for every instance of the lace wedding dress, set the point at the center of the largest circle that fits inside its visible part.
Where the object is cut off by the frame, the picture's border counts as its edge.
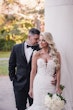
(42, 83)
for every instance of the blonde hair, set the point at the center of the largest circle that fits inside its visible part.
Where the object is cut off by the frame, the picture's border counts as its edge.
(53, 51)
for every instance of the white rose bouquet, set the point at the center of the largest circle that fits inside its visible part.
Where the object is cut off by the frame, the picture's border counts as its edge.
(54, 101)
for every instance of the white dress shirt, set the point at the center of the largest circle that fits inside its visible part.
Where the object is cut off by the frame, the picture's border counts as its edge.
(28, 52)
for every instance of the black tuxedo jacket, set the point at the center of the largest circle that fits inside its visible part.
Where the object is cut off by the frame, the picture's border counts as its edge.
(19, 68)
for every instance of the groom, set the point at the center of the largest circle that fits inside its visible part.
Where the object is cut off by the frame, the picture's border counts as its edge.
(20, 67)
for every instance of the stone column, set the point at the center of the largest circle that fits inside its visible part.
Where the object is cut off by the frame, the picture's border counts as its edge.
(59, 21)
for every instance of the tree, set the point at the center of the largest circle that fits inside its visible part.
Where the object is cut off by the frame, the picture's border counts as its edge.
(18, 18)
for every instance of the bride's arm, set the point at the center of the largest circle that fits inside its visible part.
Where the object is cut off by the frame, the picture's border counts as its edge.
(33, 73)
(58, 90)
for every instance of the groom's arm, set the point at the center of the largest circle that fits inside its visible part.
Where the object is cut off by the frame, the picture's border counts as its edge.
(12, 64)
(54, 81)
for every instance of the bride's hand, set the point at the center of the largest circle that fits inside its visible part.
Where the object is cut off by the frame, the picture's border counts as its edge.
(58, 91)
(31, 93)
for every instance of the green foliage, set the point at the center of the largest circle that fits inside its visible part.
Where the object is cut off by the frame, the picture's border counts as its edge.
(14, 24)
(4, 67)
(61, 97)
(5, 54)
(50, 94)
(62, 87)
(15, 29)
(6, 45)
(2, 42)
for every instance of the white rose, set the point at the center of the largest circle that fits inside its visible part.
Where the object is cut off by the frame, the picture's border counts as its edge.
(48, 100)
(55, 97)
(54, 107)
(61, 104)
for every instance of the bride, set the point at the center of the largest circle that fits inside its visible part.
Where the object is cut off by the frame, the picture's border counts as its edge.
(45, 63)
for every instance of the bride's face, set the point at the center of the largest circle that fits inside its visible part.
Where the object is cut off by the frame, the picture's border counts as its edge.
(42, 43)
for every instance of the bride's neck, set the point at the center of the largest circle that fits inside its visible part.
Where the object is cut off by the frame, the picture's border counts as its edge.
(45, 50)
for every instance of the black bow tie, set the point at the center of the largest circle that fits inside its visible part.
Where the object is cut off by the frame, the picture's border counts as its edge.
(30, 46)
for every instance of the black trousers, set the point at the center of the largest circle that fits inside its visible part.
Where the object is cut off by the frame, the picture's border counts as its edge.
(21, 99)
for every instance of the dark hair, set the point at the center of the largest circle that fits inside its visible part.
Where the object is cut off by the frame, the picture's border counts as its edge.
(34, 31)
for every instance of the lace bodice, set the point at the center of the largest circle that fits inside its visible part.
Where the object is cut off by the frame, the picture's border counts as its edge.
(45, 68)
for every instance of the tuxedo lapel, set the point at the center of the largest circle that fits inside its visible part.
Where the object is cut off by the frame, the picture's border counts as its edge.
(23, 52)
(31, 57)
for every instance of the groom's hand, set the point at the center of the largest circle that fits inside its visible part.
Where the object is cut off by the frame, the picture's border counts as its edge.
(54, 81)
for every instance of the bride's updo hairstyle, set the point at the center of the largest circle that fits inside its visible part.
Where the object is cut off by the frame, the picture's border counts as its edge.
(52, 50)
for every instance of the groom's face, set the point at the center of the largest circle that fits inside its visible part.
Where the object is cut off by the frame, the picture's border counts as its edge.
(34, 39)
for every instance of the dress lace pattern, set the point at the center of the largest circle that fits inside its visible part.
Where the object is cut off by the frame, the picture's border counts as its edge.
(42, 83)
